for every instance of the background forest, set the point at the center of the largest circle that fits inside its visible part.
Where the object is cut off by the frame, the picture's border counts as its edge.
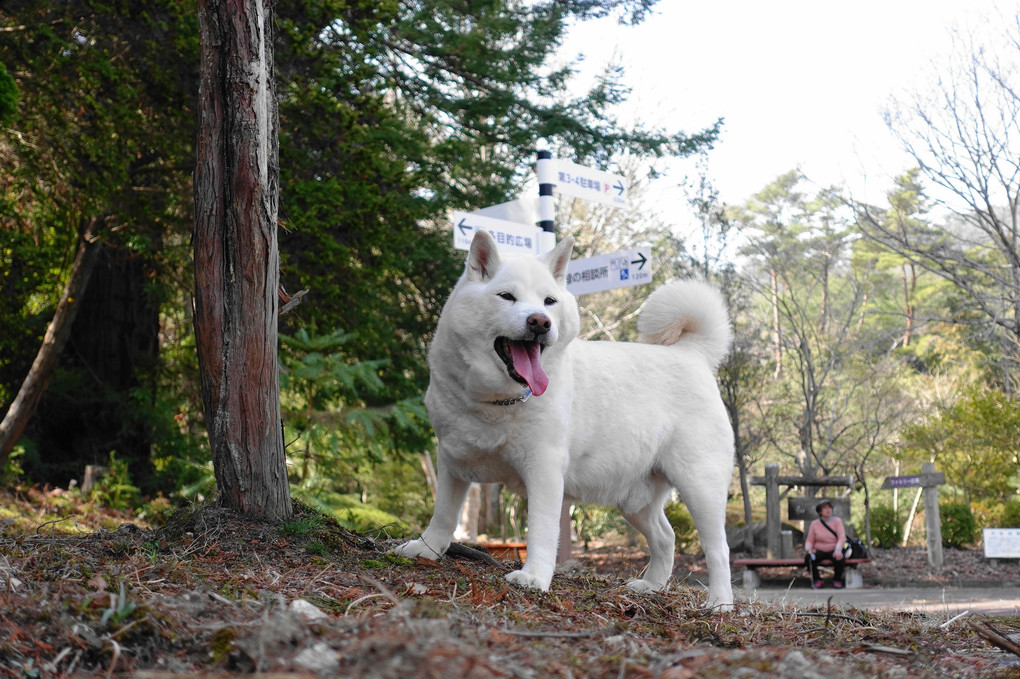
(870, 338)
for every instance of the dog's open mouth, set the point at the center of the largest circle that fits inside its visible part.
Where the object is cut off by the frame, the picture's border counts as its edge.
(523, 361)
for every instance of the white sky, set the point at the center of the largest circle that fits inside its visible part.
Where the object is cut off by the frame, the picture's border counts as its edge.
(800, 83)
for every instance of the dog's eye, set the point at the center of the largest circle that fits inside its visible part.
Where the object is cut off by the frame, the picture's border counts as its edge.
(507, 296)
(549, 301)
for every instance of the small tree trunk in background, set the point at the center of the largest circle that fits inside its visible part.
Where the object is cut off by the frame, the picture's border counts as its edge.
(21, 410)
(237, 258)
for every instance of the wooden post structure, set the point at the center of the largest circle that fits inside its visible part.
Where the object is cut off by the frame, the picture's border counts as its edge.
(932, 518)
(928, 482)
(772, 522)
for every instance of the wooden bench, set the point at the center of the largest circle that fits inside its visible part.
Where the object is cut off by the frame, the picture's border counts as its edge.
(851, 575)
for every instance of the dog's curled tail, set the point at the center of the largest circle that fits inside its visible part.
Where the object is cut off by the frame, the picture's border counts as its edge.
(689, 312)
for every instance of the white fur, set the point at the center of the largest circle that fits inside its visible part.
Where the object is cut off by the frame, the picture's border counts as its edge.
(620, 424)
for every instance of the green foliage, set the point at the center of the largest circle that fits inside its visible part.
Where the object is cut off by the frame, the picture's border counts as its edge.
(104, 136)
(683, 525)
(157, 511)
(115, 489)
(1010, 514)
(594, 522)
(11, 472)
(886, 527)
(302, 525)
(340, 446)
(121, 608)
(997, 514)
(959, 528)
(324, 402)
(8, 96)
(349, 511)
(973, 441)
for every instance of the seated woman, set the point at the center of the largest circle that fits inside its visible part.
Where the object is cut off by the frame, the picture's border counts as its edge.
(825, 540)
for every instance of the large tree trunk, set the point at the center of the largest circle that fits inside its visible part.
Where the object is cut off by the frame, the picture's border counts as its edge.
(236, 256)
(24, 404)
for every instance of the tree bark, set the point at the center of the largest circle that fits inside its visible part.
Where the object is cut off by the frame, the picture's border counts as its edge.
(237, 258)
(32, 389)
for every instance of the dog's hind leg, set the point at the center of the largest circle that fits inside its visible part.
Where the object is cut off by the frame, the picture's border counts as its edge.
(651, 521)
(704, 493)
(450, 494)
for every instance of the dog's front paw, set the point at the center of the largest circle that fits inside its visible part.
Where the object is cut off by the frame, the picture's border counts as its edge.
(416, 548)
(719, 604)
(528, 580)
(644, 586)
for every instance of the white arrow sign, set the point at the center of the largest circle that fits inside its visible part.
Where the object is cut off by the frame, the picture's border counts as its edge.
(510, 236)
(607, 272)
(590, 184)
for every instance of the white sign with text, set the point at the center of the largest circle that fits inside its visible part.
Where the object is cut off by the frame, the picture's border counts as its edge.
(1002, 543)
(510, 236)
(608, 272)
(590, 184)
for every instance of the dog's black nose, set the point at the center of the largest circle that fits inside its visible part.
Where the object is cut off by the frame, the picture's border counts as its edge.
(539, 324)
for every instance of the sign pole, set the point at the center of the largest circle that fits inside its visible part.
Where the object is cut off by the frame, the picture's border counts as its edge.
(546, 173)
(927, 483)
(932, 519)
(773, 546)
(546, 242)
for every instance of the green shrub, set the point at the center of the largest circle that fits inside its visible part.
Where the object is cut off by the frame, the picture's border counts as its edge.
(683, 526)
(349, 512)
(157, 511)
(886, 529)
(959, 528)
(1010, 514)
(593, 522)
(987, 512)
(8, 96)
(11, 472)
(115, 489)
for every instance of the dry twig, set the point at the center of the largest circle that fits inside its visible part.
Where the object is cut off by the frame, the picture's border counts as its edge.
(992, 635)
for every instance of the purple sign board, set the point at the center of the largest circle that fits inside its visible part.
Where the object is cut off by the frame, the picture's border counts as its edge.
(914, 481)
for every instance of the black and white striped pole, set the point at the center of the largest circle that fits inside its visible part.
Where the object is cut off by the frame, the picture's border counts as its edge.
(544, 168)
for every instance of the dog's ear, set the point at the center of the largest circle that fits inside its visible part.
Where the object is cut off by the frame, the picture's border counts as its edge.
(483, 257)
(558, 259)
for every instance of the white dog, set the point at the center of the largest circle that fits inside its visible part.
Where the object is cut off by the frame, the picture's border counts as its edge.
(514, 397)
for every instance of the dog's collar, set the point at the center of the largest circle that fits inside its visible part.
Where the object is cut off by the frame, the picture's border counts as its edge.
(511, 401)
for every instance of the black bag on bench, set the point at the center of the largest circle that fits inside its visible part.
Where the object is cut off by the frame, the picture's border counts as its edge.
(854, 549)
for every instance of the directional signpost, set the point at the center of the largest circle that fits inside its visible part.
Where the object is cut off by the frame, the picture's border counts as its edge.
(929, 481)
(914, 481)
(510, 236)
(590, 184)
(584, 276)
(608, 272)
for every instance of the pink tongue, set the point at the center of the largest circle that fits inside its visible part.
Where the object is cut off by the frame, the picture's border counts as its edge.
(528, 364)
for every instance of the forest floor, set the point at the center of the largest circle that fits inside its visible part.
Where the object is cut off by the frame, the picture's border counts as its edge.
(210, 594)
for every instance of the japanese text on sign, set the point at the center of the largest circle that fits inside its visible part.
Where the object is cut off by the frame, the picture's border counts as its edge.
(509, 236)
(607, 272)
(590, 184)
